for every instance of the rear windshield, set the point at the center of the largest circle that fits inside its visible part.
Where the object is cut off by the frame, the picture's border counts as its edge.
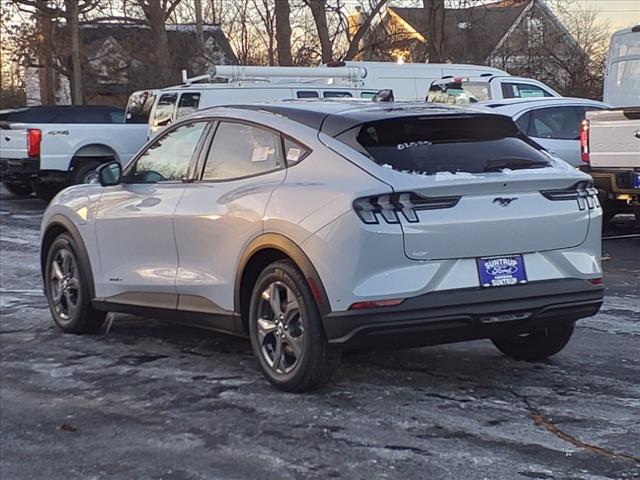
(139, 107)
(459, 92)
(427, 146)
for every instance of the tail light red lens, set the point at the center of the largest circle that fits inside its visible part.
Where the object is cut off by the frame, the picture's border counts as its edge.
(34, 137)
(597, 281)
(584, 141)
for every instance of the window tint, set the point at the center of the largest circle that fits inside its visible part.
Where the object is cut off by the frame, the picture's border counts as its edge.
(523, 90)
(168, 158)
(188, 104)
(368, 95)
(307, 94)
(562, 123)
(240, 150)
(427, 146)
(65, 116)
(30, 115)
(293, 151)
(164, 109)
(139, 107)
(523, 122)
(116, 116)
(334, 94)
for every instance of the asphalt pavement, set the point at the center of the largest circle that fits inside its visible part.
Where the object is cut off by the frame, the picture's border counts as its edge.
(155, 400)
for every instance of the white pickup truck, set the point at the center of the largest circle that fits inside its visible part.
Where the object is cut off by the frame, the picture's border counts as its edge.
(44, 149)
(610, 139)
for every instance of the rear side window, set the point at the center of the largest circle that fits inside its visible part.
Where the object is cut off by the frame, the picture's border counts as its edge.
(240, 150)
(163, 115)
(456, 144)
(188, 104)
(560, 123)
(334, 94)
(307, 94)
(523, 90)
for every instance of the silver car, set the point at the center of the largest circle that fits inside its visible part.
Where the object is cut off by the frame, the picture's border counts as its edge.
(313, 228)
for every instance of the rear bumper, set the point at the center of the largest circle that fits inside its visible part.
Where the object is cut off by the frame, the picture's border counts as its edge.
(465, 314)
(18, 169)
(618, 184)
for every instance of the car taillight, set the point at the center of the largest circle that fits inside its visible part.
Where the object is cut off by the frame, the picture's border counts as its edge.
(584, 192)
(34, 137)
(388, 206)
(584, 141)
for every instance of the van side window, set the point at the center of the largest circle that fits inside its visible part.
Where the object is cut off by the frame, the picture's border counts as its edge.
(240, 150)
(188, 104)
(307, 94)
(335, 94)
(164, 110)
(523, 90)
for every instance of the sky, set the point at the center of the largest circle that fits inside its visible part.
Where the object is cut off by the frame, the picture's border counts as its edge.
(619, 13)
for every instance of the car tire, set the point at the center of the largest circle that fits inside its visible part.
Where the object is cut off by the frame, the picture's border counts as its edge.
(636, 212)
(67, 289)
(18, 189)
(537, 345)
(83, 170)
(287, 334)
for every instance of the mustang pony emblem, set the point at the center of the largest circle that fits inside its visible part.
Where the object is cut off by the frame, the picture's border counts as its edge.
(503, 201)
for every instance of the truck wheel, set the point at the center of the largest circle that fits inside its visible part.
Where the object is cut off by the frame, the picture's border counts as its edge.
(45, 191)
(83, 170)
(636, 212)
(537, 345)
(18, 189)
(286, 331)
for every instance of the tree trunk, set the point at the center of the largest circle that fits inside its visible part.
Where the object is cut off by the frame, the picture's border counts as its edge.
(156, 17)
(283, 32)
(77, 88)
(434, 17)
(199, 27)
(319, 13)
(47, 74)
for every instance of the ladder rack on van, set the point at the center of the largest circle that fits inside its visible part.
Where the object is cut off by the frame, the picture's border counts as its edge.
(354, 75)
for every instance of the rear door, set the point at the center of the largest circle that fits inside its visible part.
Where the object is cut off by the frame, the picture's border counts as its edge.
(134, 223)
(558, 130)
(471, 187)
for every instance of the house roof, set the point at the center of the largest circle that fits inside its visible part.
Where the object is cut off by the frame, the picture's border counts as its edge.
(471, 34)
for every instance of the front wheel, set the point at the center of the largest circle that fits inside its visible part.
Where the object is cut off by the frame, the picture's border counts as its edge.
(67, 289)
(286, 331)
(537, 345)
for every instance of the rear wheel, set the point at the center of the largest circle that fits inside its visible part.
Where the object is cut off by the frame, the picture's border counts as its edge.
(83, 171)
(67, 289)
(286, 331)
(536, 345)
(18, 189)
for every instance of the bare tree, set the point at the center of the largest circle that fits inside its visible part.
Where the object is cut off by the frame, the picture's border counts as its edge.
(156, 13)
(319, 12)
(434, 18)
(283, 31)
(199, 26)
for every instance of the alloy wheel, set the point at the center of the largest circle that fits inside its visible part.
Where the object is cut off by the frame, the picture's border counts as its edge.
(64, 284)
(280, 328)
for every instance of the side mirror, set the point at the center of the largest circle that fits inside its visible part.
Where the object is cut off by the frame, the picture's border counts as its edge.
(109, 174)
(385, 95)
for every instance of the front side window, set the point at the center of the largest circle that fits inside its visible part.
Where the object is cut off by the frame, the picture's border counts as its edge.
(560, 123)
(240, 150)
(335, 94)
(523, 90)
(188, 104)
(164, 110)
(307, 94)
(168, 158)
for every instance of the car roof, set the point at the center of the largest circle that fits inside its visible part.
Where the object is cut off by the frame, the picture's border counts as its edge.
(335, 117)
(512, 105)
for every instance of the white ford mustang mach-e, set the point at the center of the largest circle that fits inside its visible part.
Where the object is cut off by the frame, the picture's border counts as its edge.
(318, 227)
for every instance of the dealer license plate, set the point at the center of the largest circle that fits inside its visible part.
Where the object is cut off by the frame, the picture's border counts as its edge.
(501, 271)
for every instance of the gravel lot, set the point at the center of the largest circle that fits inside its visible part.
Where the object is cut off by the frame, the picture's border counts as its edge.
(152, 400)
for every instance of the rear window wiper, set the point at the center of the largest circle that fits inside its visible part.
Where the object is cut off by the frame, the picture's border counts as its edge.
(499, 164)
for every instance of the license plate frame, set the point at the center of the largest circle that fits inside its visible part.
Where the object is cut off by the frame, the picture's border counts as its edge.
(501, 271)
